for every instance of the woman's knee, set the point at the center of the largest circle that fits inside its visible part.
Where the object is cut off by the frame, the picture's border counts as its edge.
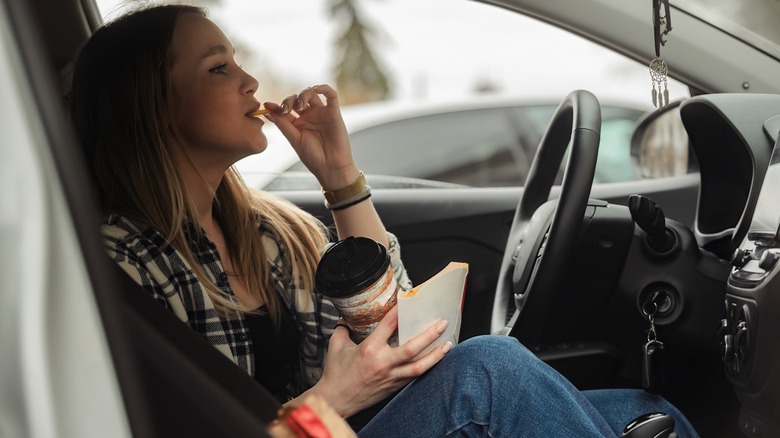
(491, 350)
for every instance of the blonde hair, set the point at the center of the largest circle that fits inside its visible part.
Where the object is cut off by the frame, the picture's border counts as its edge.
(121, 105)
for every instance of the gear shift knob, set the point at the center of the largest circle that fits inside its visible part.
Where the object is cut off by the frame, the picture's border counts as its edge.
(652, 425)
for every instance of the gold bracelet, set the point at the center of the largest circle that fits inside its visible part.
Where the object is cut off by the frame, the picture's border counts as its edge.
(344, 193)
(349, 202)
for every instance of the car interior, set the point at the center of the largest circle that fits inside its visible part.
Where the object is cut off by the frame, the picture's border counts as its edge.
(687, 255)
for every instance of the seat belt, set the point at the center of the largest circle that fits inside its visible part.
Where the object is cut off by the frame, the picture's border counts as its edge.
(192, 388)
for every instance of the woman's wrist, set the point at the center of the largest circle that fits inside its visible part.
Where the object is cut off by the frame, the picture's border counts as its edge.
(336, 180)
(352, 194)
(328, 396)
(345, 192)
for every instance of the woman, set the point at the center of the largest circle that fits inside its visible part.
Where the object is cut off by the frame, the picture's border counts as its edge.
(163, 112)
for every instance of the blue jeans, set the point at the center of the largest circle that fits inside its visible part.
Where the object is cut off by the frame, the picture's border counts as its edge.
(492, 386)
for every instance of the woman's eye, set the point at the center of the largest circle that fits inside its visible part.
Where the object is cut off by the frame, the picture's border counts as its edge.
(219, 69)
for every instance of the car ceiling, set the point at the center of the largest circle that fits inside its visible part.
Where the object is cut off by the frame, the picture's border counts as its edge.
(698, 54)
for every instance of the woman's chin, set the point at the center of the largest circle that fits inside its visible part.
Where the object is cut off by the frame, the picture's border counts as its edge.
(257, 147)
(261, 148)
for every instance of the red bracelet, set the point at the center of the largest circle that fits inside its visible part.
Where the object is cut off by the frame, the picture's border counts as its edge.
(305, 423)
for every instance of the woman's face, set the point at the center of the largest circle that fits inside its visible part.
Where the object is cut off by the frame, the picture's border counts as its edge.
(212, 96)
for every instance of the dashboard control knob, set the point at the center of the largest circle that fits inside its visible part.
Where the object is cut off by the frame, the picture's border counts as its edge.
(768, 260)
(740, 258)
(740, 344)
(724, 327)
(727, 348)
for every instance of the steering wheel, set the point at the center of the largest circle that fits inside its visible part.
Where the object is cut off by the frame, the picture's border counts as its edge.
(544, 233)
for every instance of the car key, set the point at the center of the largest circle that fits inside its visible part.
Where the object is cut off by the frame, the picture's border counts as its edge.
(652, 366)
(652, 356)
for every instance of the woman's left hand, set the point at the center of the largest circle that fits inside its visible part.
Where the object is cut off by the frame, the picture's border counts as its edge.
(315, 129)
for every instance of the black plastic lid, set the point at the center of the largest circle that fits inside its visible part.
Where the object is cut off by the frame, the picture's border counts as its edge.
(349, 266)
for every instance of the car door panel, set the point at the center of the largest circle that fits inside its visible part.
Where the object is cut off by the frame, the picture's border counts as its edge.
(436, 226)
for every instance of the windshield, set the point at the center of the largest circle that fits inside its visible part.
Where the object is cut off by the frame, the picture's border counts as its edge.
(754, 22)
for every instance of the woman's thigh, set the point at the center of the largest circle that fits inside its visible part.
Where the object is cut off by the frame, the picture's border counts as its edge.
(489, 386)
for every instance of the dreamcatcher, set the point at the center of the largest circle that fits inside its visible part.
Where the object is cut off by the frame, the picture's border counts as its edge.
(662, 25)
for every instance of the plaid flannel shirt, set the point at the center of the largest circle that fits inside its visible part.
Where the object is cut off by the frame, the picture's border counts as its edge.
(161, 270)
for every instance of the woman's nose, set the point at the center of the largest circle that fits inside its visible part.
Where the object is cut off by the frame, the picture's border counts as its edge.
(250, 84)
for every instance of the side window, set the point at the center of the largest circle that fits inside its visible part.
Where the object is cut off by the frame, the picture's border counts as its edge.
(614, 162)
(478, 148)
(486, 147)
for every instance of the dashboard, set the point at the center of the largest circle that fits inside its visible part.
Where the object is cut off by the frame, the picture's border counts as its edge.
(735, 139)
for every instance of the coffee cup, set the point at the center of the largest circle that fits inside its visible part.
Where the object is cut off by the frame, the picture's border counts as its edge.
(356, 275)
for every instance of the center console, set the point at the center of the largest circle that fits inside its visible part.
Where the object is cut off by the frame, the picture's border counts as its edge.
(750, 328)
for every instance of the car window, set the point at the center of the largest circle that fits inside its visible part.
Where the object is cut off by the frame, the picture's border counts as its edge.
(462, 147)
(474, 52)
(484, 147)
(614, 162)
(480, 148)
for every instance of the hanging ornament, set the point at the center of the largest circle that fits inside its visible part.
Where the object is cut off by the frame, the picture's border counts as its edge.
(658, 75)
(662, 25)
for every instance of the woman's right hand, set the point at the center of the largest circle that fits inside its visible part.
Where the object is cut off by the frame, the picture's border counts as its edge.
(357, 376)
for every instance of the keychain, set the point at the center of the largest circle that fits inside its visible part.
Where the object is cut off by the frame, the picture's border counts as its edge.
(652, 358)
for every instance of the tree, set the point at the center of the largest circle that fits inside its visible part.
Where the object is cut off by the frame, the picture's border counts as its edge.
(358, 75)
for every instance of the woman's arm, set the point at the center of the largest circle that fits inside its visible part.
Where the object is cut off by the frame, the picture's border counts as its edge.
(360, 220)
(320, 139)
(355, 376)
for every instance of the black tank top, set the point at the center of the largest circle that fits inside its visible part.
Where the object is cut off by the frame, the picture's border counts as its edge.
(276, 351)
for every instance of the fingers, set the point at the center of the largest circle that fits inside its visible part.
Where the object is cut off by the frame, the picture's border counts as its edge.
(426, 338)
(342, 324)
(406, 358)
(410, 362)
(413, 347)
(418, 367)
(340, 335)
(291, 103)
(331, 96)
(309, 97)
(386, 327)
(277, 113)
(272, 106)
